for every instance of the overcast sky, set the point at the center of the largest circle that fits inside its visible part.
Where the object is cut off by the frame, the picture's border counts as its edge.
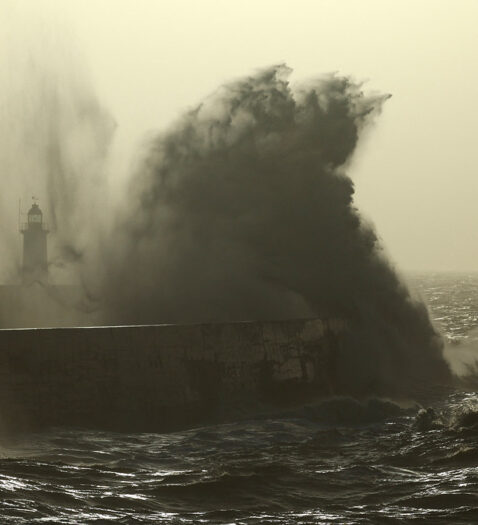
(415, 172)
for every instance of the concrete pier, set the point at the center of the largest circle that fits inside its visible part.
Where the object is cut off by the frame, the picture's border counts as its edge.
(162, 377)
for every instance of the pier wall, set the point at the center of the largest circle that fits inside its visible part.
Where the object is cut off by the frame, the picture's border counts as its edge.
(162, 377)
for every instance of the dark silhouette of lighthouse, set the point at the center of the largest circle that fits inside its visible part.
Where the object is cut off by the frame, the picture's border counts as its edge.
(35, 262)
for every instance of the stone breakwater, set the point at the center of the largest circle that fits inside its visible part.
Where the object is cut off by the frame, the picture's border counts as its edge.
(163, 377)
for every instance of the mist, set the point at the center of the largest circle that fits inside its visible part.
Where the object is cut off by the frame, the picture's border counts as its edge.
(462, 355)
(55, 142)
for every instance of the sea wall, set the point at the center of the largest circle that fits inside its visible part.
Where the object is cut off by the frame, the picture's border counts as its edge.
(162, 377)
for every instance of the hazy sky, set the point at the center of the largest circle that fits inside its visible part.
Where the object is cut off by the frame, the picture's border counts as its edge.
(416, 170)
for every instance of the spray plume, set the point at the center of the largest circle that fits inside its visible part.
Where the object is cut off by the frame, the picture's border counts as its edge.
(243, 210)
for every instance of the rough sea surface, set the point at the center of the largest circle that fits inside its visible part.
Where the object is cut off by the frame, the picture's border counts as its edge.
(341, 461)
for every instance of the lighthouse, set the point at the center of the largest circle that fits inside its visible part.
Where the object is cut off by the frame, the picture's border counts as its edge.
(35, 263)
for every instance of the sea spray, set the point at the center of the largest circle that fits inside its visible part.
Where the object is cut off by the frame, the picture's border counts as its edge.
(243, 210)
(55, 141)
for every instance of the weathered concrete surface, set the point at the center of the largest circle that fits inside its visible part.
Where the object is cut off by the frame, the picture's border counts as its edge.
(162, 377)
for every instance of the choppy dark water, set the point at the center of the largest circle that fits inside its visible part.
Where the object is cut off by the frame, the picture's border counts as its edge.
(338, 462)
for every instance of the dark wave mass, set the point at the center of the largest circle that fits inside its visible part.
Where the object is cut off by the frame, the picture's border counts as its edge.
(243, 210)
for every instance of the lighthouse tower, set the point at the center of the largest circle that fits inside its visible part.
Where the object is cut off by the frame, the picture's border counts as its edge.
(35, 263)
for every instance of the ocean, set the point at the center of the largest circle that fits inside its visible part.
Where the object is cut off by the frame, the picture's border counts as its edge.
(340, 461)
